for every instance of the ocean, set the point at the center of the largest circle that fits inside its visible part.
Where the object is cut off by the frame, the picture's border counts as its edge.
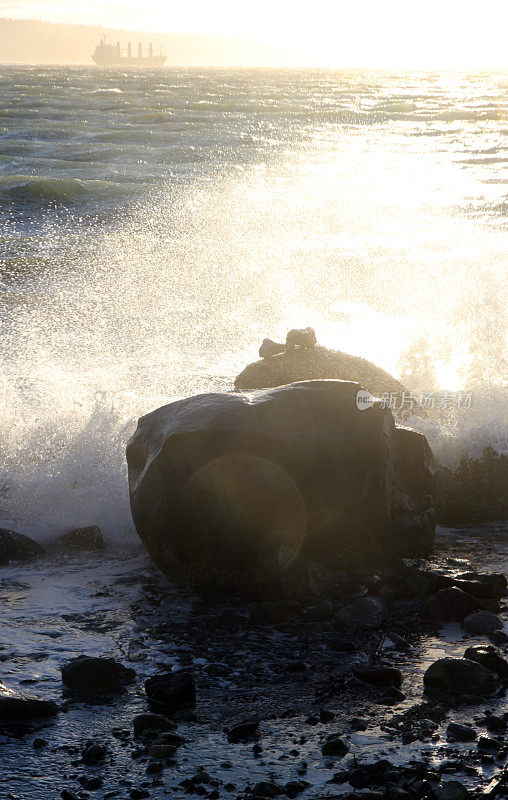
(156, 225)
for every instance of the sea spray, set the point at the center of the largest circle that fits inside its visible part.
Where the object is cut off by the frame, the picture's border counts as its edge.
(225, 220)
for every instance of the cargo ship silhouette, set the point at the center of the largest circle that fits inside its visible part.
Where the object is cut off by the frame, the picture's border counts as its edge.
(110, 55)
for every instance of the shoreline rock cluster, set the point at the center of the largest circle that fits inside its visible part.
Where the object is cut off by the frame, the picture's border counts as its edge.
(18, 548)
(348, 693)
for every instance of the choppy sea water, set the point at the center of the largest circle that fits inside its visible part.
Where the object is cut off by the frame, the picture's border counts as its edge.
(155, 226)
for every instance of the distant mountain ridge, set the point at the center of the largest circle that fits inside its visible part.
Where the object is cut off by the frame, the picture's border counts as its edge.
(36, 42)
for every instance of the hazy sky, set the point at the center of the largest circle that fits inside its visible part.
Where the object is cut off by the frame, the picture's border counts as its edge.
(454, 33)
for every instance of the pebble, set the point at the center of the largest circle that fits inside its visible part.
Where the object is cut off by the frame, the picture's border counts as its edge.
(151, 722)
(244, 729)
(334, 746)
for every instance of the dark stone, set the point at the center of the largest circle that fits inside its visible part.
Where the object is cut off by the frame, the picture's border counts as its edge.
(482, 623)
(362, 776)
(488, 745)
(38, 743)
(172, 689)
(91, 783)
(294, 788)
(162, 751)
(457, 732)
(493, 584)
(400, 643)
(378, 675)
(484, 585)
(499, 638)
(66, 794)
(171, 738)
(243, 730)
(154, 767)
(334, 746)
(151, 722)
(91, 675)
(391, 696)
(460, 676)
(89, 538)
(451, 790)
(93, 753)
(228, 485)
(364, 613)
(18, 547)
(450, 605)
(139, 794)
(496, 725)
(266, 789)
(488, 657)
(17, 707)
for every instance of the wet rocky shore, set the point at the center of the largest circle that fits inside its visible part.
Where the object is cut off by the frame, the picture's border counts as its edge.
(220, 697)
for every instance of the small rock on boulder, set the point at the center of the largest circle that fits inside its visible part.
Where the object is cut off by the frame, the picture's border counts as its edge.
(300, 337)
(315, 363)
(17, 707)
(172, 689)
(459, 676)
(270, 348)
(89, 675)
(18, 547)
(482, 623)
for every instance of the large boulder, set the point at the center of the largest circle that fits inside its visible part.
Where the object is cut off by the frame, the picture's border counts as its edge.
(233, 482)
(315, 363)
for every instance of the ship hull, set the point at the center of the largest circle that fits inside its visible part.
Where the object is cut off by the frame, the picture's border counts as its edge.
(114, 61)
